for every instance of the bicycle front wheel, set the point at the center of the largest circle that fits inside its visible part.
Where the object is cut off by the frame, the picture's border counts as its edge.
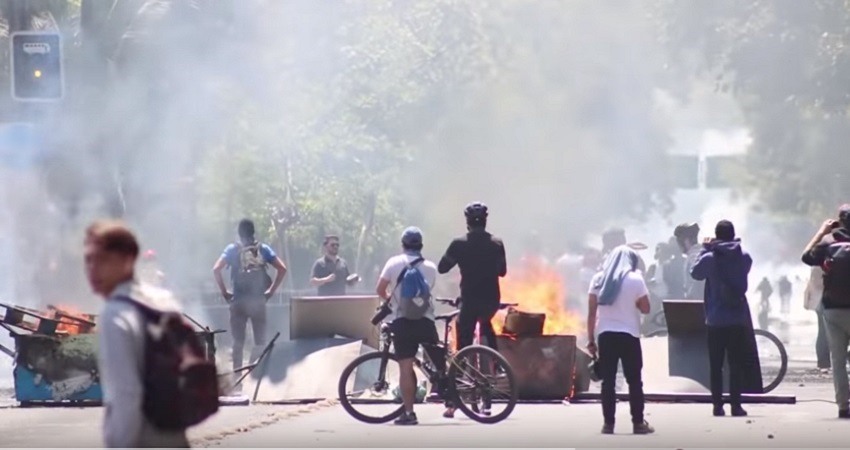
(484, 384)
(366, 388)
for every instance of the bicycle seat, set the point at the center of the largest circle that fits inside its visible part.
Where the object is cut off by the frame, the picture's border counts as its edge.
(449, 316)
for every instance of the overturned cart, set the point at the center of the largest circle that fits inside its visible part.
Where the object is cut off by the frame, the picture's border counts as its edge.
(55, 354)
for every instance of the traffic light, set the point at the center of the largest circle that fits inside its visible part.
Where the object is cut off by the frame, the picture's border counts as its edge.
(37, 66)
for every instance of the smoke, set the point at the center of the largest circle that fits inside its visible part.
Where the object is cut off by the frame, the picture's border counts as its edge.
(184, 116)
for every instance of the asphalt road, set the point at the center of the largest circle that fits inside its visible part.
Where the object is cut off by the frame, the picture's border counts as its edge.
(806, 424)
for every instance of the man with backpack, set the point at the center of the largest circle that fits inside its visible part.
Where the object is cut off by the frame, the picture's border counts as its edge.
(155, 378)
(406, 283)
(248, 260)
(829, 249)
(725, 266)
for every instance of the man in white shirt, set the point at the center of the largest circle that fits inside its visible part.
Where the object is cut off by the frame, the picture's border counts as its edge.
(617, 297)
(111, 251)
(410, 329)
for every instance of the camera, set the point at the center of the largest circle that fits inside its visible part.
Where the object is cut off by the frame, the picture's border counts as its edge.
(835, 224)
(381, 313)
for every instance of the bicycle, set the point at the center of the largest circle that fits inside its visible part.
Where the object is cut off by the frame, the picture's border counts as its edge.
(475, 379)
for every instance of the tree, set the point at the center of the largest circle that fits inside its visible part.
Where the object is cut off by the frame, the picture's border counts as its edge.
(787, 63)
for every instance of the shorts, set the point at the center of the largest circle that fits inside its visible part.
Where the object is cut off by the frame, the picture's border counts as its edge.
(409, 334)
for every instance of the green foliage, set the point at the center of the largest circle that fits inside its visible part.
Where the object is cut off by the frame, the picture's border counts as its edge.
(787, 62)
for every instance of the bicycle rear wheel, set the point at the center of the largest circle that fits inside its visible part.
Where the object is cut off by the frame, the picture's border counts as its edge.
(484, 384)
(366, 388)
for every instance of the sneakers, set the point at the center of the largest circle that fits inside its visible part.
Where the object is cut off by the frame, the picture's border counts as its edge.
(407, 418)
(718, 411)
(737, 411)
(608, 428)
(844, 413)
(643, 428)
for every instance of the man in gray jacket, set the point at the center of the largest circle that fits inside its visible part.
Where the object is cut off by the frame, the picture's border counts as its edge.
(111, 251)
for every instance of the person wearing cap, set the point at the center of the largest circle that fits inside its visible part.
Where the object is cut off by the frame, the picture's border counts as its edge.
(408, 334)
(724, 267)
(828, 249)
(687, 236)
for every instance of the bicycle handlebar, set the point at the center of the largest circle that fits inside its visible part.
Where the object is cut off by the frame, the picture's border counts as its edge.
(455, 302)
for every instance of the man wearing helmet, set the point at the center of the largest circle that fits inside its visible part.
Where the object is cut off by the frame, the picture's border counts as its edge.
(481, 258)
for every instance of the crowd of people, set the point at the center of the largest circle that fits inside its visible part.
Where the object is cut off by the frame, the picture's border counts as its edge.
(716, 270)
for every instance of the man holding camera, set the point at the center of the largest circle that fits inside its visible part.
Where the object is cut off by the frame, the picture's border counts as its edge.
(725, 266)
(830, 250)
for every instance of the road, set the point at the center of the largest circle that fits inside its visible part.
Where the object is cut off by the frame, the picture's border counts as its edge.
(806, 424)
(810, 423)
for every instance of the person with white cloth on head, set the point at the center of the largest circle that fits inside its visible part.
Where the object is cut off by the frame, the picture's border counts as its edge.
(618, 296)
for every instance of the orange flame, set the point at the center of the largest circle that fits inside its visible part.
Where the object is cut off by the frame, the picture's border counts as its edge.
(73, 321)
(538, 288)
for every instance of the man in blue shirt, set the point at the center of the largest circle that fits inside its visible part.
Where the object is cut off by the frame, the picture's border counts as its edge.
(725, 266)
(251, 284)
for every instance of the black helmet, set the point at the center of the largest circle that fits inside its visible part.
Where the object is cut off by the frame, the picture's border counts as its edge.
(475, 211)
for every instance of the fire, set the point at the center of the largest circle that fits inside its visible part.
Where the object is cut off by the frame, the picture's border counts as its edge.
(538, 288)
(72, 320)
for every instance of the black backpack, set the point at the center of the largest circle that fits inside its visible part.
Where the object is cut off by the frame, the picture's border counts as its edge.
(836, 274)
(180, 384)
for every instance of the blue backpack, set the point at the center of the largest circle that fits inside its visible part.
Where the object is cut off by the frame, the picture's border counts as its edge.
(414, 293)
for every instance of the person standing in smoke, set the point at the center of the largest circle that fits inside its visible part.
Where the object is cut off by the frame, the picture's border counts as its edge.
(766, 290)
(724, 267)
(674, 276)
(615, 237)
(617, 297)
(785, 287)
(252, 286)
(687, 236)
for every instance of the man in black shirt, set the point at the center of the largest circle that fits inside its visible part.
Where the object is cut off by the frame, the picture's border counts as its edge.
(481, 258)
(330, 272)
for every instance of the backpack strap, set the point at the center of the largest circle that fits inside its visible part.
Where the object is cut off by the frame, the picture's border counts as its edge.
(409, 266)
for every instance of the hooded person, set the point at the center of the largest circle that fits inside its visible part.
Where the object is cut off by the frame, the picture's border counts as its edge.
(725, 267)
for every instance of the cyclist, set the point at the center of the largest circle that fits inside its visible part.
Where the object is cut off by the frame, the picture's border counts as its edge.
(481, 258)
(413, 329)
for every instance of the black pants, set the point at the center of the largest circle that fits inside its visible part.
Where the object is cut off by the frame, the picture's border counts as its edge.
(613, 348)
(726, 343)
(470, 315)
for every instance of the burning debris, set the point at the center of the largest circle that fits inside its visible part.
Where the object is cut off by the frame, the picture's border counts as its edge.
(539, 289)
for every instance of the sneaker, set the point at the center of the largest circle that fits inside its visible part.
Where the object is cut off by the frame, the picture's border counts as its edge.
(844, 413)
(407, 418)
(718, 411)
(643, 428)
(608, 428)
(485, 411)
(449, 413)
(737, 411)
